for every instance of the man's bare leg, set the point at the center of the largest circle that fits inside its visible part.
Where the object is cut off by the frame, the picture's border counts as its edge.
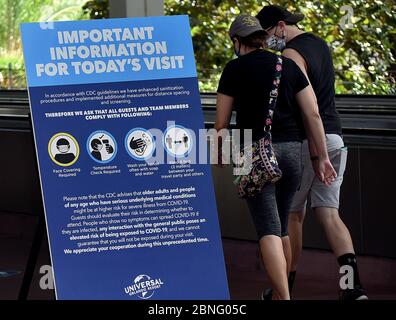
(336, 231)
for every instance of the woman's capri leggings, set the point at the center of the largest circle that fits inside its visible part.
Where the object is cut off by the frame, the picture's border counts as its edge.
(270, 208)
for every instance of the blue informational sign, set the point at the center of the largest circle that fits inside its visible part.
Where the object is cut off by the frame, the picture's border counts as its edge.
(127, 189)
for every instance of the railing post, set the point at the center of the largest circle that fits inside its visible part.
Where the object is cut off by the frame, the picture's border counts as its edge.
(10, 84)
(136, 8)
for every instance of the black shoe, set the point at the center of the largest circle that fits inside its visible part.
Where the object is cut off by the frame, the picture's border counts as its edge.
(266, 294)
(353, 294)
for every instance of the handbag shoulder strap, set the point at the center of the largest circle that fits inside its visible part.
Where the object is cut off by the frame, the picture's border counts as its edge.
(273, 94)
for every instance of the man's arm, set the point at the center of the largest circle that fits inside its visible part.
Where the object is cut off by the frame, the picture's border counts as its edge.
(316, 135)
(297, 58)
(300, 61)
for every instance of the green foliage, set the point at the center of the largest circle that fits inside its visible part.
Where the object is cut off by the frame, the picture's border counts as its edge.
(97, 9)
(15, 12)
(363, 55)
(210, 21)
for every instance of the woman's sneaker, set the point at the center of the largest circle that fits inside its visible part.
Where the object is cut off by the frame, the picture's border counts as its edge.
(353, 294)
(266, 294)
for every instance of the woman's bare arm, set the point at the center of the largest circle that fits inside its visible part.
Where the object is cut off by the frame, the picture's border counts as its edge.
(224, 107)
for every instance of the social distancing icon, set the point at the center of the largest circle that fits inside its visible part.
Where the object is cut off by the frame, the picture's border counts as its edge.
(178, 141)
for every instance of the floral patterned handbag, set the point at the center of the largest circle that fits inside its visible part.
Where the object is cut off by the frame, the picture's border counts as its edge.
(258, 159)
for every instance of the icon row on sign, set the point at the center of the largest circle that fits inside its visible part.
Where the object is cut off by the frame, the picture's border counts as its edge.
(101, 146)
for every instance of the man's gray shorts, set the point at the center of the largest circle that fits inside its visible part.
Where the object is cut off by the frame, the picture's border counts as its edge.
(321, 195)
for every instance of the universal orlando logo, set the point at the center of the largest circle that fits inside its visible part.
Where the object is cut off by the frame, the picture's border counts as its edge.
(143, 286)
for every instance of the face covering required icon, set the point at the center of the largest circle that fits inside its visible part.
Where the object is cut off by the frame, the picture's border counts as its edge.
(63, 149)
(140, 144)
(178, 141)
(101, 146)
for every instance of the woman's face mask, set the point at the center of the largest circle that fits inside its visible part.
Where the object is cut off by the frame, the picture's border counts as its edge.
(275, 42)
(237, 51)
